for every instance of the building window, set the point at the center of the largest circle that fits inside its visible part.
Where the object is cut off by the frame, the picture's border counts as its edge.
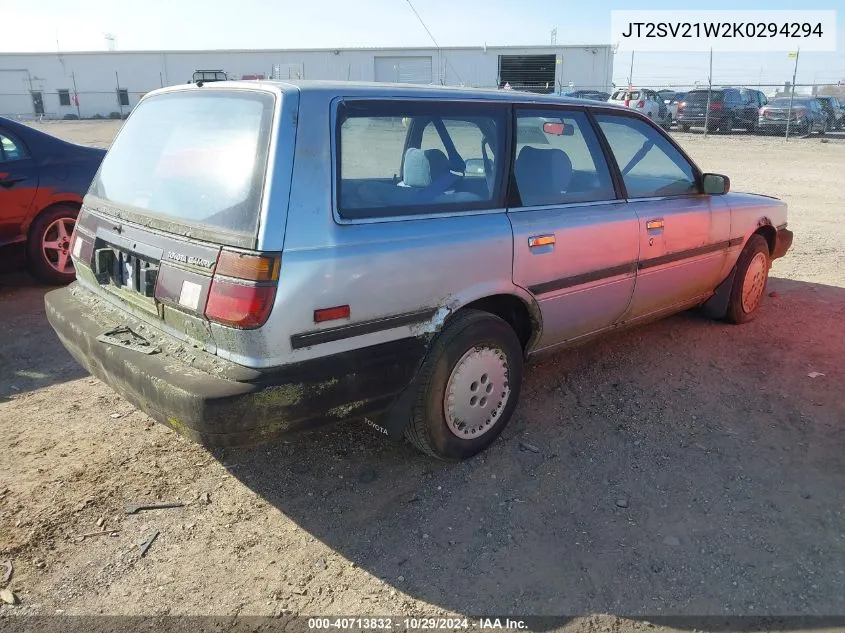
(64, 97)
(123, 96)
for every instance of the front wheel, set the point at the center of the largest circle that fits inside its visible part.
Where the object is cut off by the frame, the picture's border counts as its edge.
(749, 286)
(467, 388)
(48, 246)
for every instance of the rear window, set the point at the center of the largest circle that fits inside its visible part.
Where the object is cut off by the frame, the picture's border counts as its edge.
(785, 101)
(622, 95)
(192, 158)
(701, 97)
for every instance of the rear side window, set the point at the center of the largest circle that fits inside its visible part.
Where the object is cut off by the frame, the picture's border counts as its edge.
(11, 149)
(559, 159)
(650, 164)
(622, 95)
(192, 158)
(400, 158)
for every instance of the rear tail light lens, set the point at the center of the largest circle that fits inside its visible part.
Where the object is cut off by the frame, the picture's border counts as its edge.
(682, 105)
(715, 106)
(243, 289)
(239, 305)
(640, 104)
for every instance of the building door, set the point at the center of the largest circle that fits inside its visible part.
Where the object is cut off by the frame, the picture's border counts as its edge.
(533, 73)
(38, 102)
(406, 70)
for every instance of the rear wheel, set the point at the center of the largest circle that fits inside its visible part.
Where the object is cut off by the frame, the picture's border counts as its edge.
(48, 246)
(824, 129)
(468, 387)
(685, 127)
(749, 286)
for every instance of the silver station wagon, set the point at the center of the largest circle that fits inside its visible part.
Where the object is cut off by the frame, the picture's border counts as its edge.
(254, 258)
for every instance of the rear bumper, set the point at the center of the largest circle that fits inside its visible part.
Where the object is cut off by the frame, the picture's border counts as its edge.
(783, 242)
(780, 125)
(236, 406)
(699, 120)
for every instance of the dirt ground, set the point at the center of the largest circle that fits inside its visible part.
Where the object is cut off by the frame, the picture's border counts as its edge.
(688, 468)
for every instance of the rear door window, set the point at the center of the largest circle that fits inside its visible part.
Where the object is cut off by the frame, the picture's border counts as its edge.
(192, 159)
(398, 158)
(558, 159)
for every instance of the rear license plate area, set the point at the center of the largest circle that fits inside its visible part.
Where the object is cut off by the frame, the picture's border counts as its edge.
(127, 271)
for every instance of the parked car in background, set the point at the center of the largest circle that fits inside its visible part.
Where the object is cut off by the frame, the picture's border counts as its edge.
(206, 76)
(807, 116)
(42, 182)
(835, 111)
(592, 95)
(644, 100)
(672, 100)
(728, 110)
(395, 274)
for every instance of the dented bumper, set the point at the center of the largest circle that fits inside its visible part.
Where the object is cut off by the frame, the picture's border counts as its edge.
(233, 405)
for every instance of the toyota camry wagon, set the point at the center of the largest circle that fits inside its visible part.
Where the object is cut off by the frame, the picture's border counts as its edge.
(254, 258)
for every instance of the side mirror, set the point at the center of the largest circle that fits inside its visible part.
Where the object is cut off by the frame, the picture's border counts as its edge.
(716, 184)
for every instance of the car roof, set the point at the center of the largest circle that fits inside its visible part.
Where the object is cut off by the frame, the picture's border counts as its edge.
(379, 90)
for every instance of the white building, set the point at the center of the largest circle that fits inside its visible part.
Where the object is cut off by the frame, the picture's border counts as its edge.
(56, 85)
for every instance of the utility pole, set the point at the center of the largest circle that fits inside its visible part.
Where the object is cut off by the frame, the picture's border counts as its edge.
(792, 92)
(119, 105)
(75, 95)
(709, 91)
(631, 73)
(554, 36)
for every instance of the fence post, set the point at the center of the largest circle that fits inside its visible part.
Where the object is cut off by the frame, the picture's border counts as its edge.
(792, 94)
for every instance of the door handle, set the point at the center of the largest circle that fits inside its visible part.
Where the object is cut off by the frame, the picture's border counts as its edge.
(653, 225)
(8, 183)
(541, 240)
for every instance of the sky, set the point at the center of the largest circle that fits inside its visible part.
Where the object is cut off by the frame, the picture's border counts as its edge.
(48, 25)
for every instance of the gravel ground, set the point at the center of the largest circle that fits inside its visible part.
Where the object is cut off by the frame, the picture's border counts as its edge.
(684, 468)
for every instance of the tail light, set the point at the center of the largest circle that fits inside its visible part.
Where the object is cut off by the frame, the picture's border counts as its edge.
(243, 289)
(799, 111)
(682, 105)
(715, 106)
(640, 103)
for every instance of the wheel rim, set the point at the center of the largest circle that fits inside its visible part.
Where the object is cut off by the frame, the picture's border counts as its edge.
(55, 245)
(477, 392)
(754, 283)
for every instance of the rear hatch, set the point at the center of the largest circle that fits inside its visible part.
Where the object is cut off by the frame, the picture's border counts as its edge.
(695, 103)
(169, 226)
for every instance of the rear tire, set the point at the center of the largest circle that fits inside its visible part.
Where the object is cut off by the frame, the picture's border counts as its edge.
(467, 388)
(48, 246)
(749, 286)
(685, 127)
